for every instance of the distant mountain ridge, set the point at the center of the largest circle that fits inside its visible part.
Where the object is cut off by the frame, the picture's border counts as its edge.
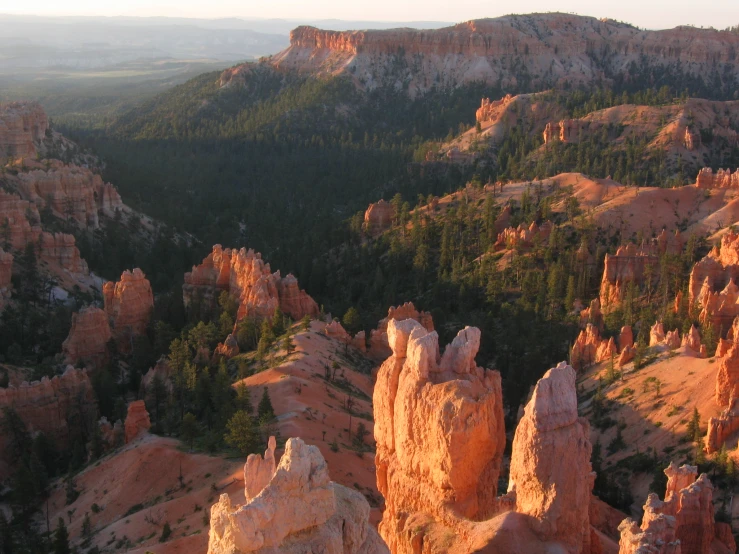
(523, 52)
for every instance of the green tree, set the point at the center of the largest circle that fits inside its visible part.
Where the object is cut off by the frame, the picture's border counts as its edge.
(240, 432)
(243, 398)
(60, 543)
(694, 426)
(351, 320)
(265, 409)
(189, 429)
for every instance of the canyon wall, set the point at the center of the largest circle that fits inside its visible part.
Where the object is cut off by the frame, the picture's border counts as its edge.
(244, 275)
(88, 338)
(70, 192)
(682, 523)
(128, 303)
(298, 510)
(555, 48)
(712, 286)
(707, 179)
(22, 126)
(61, 408)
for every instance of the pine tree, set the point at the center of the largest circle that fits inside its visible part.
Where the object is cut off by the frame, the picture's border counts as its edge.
(60, 543)
(693, 429)
(241, 433)
(265, 409)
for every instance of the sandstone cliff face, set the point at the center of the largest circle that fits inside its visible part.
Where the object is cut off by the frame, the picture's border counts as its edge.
(722, 427)
(137, 420)
(590, 349)
(60, 250)
(722, 179)
(298, 510)
(439, 431)
(21, 222)
(71, 192)
(88, 338)
(6, 270)
(550, 474)
(59, 407)
(554, 47)
(683, 522)
(523, 237)
(629, 265)
(727, 378)
(378, 217)
(22, 126)
(128, 303)
(712, 284)
(244, 275)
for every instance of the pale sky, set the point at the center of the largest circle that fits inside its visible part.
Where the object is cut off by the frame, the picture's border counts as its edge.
(653, 14)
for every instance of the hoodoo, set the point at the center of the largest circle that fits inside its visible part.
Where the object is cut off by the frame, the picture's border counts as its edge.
(299, 509)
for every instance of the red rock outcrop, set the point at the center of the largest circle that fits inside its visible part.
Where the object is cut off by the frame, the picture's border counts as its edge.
(298, 510)
(488, 108)
(22, 126)
(137, 420)
(6, 270)
(692, 340)
(683, 522)
(439, 432)
(691, 139)
(60, 408)
(59, 249)
(712, 285)
(592, 314)
(628, 265)
(258, 470)
(550, 473)
(128, 303)
(553, 47)
(727, 378)
(20, 221)
(244, 275)
(722, 179)
(590, 349)
(227, 349)
(88, 338)
(522, 236)
(626, 337)
(722, 427)
(378, 217)
(71, 192)
(378, 348)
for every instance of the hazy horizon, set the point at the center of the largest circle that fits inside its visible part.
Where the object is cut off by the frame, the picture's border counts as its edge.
(656, 15)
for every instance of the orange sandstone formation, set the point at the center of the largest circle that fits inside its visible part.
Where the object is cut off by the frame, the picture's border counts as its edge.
(439, 432)
(137, 420)
(128, 303)
(712, 284)
(60, 250)
(590, 349)
(6, 270)
(727, 378)
(522, 236)
(88, 338)
(488, 108)
(682, 523)
(228, 348)
(707, 179)
(551, 477)
(244, 275)
(633, 265)
(722, 427)
(60, 408)
(258, 471)
(378, 217)
(71, 192)
(22, 126)
(298, 510)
